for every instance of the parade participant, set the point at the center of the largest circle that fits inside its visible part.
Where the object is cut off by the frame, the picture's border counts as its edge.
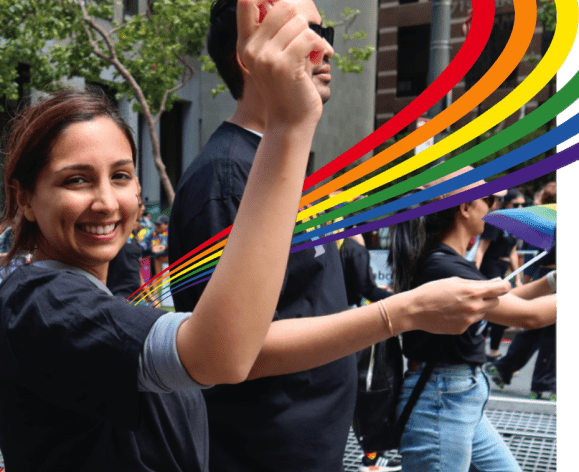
(448, 429)
(526, 343)
(154, 244)
(124, 272)
(497, 252)
(89, 382)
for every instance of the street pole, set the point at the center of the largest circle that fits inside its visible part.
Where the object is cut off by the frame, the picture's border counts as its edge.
(439, 45)
(439, 51)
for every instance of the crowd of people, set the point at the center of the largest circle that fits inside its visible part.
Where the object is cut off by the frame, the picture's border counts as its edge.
(255, 370)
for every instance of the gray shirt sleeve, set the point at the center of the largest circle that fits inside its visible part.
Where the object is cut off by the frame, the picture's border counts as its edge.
(160, 369)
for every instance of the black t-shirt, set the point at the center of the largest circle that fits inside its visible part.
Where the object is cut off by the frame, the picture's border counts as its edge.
(283, 423)
(123, 277)
(358, 275)
(69, 399)
(442, 262)
(502, 243)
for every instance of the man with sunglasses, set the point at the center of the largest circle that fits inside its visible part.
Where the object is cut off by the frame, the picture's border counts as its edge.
(290, 422)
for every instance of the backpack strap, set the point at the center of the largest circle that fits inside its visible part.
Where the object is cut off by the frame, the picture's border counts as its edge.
(416, 391)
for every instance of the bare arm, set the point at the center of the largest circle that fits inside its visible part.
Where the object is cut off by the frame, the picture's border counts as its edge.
(537, 288)
(445, 306)
(529, 314)
(221, 340)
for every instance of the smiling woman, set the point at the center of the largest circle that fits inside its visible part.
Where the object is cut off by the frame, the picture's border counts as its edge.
(78, 119)
(84, 201)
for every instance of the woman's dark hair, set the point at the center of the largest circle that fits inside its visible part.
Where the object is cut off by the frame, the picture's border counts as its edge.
(29, 140)
(410, 242)
(222, 43)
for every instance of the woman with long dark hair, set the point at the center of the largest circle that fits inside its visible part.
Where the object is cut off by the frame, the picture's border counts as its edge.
(91, 383)
(447, 429)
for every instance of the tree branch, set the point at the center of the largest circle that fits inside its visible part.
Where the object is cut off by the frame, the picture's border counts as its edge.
(115, 30)
(89, 21)
(91, 39)
(140, 96)
(348, 18)
(186, 78)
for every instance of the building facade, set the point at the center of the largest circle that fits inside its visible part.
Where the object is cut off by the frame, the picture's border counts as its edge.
(404, 30)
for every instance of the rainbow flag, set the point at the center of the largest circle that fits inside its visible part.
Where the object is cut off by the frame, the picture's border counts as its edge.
(535, 224)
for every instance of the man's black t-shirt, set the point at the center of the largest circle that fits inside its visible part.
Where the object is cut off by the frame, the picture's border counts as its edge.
(69, 399)
(442, 262)
(283, 423)
(358, 275)
(502, 243)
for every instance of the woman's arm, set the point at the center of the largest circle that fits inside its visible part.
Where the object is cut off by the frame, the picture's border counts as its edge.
(444, 306)
(221, 340)
(530, 314)
(537, 288)
(530, 306)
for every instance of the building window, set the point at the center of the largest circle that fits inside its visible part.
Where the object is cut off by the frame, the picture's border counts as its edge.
(500, 34)
(131, 7)
(412, 61)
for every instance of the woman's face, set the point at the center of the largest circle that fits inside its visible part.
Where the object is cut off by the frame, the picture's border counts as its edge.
(84, 200)
(479, 208)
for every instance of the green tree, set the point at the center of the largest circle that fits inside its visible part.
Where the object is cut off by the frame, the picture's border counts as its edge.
(353, 59)
(149, 54)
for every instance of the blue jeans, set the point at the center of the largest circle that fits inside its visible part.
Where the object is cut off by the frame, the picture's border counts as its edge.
(448, 430)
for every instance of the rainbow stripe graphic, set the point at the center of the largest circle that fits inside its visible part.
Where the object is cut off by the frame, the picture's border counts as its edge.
(378, 208)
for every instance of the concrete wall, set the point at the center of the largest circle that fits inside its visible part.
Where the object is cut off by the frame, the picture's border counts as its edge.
(349, 114)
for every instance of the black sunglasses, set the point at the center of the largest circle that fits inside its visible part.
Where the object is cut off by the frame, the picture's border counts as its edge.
(326, 33)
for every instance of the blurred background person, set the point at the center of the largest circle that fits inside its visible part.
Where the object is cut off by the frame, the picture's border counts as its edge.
(124, 274)
(154, 244)
(358, 274)
(526, 343)
(496, 254)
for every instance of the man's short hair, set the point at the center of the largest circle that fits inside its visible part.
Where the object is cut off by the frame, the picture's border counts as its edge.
(222, 42)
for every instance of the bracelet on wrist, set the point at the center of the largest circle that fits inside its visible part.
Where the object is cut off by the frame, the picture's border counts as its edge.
(385, 317)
